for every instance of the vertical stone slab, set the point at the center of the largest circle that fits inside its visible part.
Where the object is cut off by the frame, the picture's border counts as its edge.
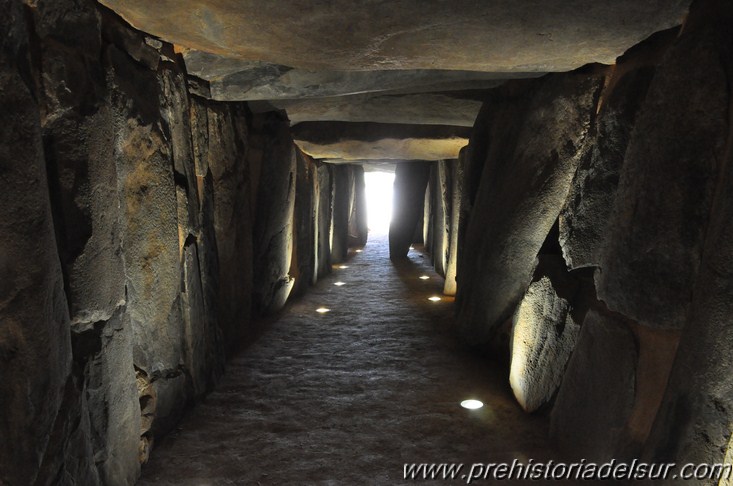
(534, 149)
(441, 198)
(325, 218)
(78, 131)
(273, 230)
(584, 221)
(342, 201)
(35, 349)
(597, 391)
(411, 180)
(651, 259)
(695, 421)
(542, 339)
(457, 188)
(304, 252)
(228, 160)
(358, 228)
(148, 203)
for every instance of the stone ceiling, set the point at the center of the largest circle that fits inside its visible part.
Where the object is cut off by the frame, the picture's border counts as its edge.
(362, 68)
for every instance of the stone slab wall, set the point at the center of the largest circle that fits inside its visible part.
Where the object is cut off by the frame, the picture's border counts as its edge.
(144, 229)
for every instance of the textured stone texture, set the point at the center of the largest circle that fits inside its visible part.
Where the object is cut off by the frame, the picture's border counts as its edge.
(411, 180)
(343, 186)
(457, 177)
(354, 141)
(35, 349)
(273, 227)
(424, 109)
(325, 218)
(584, 219)
(694, 423)
(658, 234)
(543, 337)
(303, 266)
(597, 393)
(534, 147)
(341, 35)
(358, 228)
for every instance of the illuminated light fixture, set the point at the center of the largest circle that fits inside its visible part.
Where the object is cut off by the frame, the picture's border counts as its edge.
(343, 266)
(322, 310)
(434, 298)
(339, 284)
(424, 277)
(472, 404)
(412, 248)
(359, 251)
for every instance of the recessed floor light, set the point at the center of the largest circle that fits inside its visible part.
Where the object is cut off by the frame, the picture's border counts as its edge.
(424, 277)
(411, 248)
(359, 251)
(343, 266)
(434, 298)
(472, 404)
(322, 310)
(339, 284)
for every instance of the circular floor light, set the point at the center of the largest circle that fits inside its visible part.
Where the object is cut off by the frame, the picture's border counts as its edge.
(343, 266)
(339, 284)
(322, 310)
(434, 298)
(359, 251)
(424, 277)
(472, 404)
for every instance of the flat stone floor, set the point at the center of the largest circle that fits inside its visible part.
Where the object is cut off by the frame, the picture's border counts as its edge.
(350, 396)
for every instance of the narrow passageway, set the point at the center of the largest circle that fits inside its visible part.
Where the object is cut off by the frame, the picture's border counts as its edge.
(349, 396)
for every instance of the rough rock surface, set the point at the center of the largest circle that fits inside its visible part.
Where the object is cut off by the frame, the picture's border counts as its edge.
(657, 237)
(695, 419)
(341, 35)
(597, 392)
(422, 108)
(411, 180)
(535, 145)
(543, 337)
(584, 219)
(35, 349)
(325, 218)
(273, 230)
(358, 227)
(457, 188)
(354, 141)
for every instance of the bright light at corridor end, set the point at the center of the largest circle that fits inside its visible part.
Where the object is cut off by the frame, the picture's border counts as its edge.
(379, 200)
(472, 404)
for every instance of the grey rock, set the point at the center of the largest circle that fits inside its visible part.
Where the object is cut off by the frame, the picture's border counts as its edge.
(535, 143)
(670, 174)
(325, 219)
(303, 266)
(424, 109)
(457, 188)
(273, 153)
(542, 339)
(35, 348)
(694, 423)
(463, 35)
(343, 190)
(358, 227)
(354, 141)
(411, 180)
(597, 392)
(148, 203)
(584, 219)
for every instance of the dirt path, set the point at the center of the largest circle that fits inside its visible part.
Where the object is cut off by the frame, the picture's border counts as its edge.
(351, 395)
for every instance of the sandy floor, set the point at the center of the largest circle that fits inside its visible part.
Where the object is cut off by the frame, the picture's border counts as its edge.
(350, 396)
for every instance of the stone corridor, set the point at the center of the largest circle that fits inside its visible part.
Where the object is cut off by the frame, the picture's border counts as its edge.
(349, 396)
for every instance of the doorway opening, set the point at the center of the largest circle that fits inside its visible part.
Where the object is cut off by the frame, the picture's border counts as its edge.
(379, 200)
